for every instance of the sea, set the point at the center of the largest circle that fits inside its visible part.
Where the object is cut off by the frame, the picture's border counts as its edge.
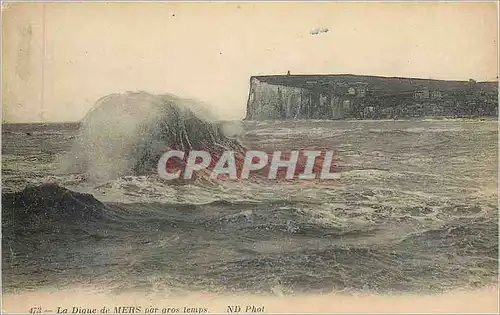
(414, 211)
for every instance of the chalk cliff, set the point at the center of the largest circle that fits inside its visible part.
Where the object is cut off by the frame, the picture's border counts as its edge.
(285, 97)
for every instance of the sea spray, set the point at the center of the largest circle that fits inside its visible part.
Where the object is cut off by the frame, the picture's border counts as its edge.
(126, 134)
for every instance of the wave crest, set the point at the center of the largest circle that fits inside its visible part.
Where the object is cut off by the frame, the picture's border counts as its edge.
(126, 134)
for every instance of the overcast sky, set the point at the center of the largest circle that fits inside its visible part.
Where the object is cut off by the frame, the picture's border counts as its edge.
(209, 51)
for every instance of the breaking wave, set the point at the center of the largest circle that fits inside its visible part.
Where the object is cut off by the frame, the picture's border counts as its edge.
(126, 134)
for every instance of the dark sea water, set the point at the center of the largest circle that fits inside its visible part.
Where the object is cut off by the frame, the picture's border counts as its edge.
(414, 211)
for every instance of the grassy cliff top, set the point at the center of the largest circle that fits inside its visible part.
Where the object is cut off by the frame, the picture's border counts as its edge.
(376, 83)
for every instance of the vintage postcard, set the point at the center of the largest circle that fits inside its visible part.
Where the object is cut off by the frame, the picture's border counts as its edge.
(249, 157)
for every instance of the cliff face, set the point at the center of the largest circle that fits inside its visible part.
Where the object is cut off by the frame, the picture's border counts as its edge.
(270, 101)
(267, 101)
(363, 97)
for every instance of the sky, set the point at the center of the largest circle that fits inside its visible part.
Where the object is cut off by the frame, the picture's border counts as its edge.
(55, 71)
